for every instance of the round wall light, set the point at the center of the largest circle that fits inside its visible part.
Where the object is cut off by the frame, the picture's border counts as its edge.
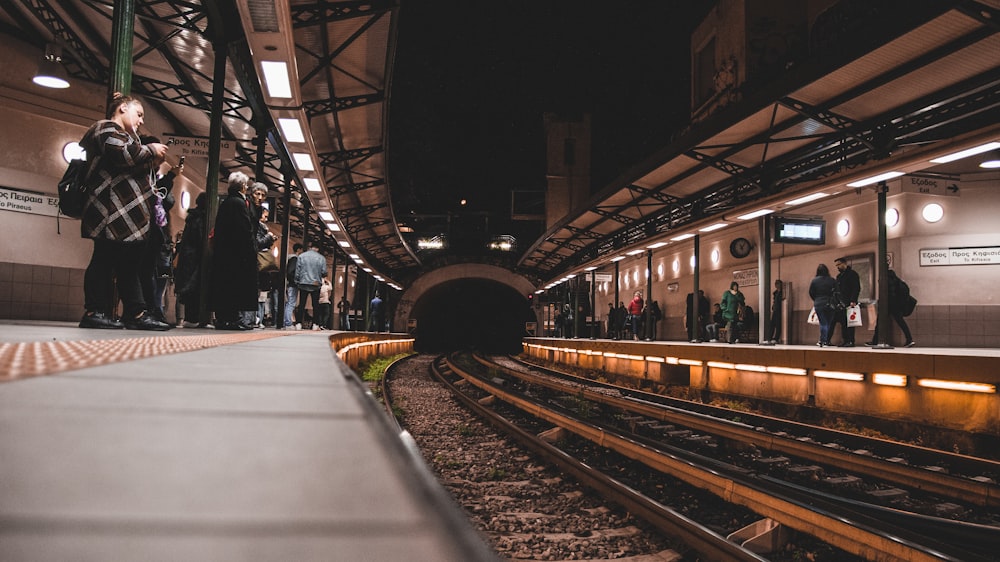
(932, 212)
(659, 271)
(185, 200)
(692, 262)
(843, 227)
(73, 151)
(676, 266)
(891, 217)
(715, 256)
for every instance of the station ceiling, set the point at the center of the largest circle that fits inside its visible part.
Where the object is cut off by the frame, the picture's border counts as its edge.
(860, 100)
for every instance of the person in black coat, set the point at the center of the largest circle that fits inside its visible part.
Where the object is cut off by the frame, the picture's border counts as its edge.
(187, 275)
(234, 257)
(821, 291)
(849, 286)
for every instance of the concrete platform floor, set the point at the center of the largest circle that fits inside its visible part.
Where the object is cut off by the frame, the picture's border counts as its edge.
(205, 445)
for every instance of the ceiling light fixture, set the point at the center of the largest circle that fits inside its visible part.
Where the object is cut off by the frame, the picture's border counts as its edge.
(303, 161)
(713, 227)
(875, 179)
(806, 199)
(992, 160)
(967, 152)
(312, 184)
(276, 78)
(755, 214)
(292, 129)
(682, 237)
(51, 73)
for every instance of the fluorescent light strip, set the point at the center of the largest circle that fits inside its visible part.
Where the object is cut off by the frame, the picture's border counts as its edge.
(888, 379)
(691, 362)
(312, 184)
(344, 243)
(713, 227)
(787, 370)
(956, 385)
(754, 368)
(966, 153)
(682, 237)
(654, 359)
(673, 361)
(591, 268)
(635, 252)
(755, 214)
(618, 258)
(326, 215)
(656, 245)
(806, 199)
(303, 161)
(292, 129)
(875, 179)
(721, 365)
(276, 78)
(839, 375)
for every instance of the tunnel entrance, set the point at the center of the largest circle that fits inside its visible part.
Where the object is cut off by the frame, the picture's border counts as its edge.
(471, 314)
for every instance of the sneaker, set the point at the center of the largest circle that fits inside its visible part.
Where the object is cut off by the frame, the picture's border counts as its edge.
(713, 341)
(298, 326)
(146, 322)
(100, 321)
(871, 343)
(910, 343)
(847, 344)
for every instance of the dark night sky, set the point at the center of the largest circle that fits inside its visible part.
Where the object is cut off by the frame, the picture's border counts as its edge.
(472, 80)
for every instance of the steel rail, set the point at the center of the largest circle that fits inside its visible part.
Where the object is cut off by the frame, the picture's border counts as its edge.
(850, 535)
(699, 538)
(974, 492)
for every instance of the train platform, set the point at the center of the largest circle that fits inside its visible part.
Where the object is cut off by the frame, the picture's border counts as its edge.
(206, 445)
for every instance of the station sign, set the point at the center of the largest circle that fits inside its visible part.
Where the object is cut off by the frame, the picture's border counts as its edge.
(27, 202)
(746, 277)
(982, 255)
(197, 147)
(930, 186)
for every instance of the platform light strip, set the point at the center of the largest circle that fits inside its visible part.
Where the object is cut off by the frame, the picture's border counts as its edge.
(888, 379)
(748, 367)
(839, 375)
(787, 370)
(691, 362)
(983, 388)
(721, 365)
(652, 359)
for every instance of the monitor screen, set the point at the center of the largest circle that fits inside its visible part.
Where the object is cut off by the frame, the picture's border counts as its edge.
(789, 230)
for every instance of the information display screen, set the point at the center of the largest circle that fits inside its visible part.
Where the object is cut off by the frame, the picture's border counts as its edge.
(789, 230)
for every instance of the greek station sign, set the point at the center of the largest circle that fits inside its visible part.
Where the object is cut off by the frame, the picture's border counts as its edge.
(24, 202)
(746, 277)
(930, 186)
(197, 147)
(983, 255)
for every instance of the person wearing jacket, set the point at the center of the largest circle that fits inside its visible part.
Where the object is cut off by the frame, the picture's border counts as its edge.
(310, 269)
(821, 292)
(849, 286)
(116, 216)
(732, 301)
(234, 257)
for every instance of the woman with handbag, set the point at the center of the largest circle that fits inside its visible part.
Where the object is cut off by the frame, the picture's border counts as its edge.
(821, 291)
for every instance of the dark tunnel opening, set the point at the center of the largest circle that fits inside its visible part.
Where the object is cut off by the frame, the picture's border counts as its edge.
(471, 314)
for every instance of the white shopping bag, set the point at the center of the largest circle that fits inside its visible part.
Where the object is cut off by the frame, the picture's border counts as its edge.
(813, 317)
(854, 316)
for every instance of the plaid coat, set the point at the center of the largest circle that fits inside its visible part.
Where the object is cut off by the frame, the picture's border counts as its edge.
(121, 191)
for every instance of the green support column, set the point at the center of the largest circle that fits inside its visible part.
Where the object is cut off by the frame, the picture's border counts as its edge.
(122, 32)
(882, 337)
(695, 318)
(212, 177)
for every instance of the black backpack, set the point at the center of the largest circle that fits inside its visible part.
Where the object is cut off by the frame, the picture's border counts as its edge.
(73, 188)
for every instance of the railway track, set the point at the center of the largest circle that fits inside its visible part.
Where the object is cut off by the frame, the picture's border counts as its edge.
(865, 529)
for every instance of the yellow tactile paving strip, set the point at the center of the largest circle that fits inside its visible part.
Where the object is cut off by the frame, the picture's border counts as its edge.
(29, 359)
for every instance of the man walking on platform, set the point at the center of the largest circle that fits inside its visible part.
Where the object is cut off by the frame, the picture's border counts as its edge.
(849, 286)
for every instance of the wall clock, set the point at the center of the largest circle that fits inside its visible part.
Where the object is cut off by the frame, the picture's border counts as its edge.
(740, 248)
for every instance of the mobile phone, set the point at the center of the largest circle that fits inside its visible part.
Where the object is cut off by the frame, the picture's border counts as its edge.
(181, 161)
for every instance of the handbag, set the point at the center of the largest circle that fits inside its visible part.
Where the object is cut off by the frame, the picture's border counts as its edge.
(854, 317)
(813, 317)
